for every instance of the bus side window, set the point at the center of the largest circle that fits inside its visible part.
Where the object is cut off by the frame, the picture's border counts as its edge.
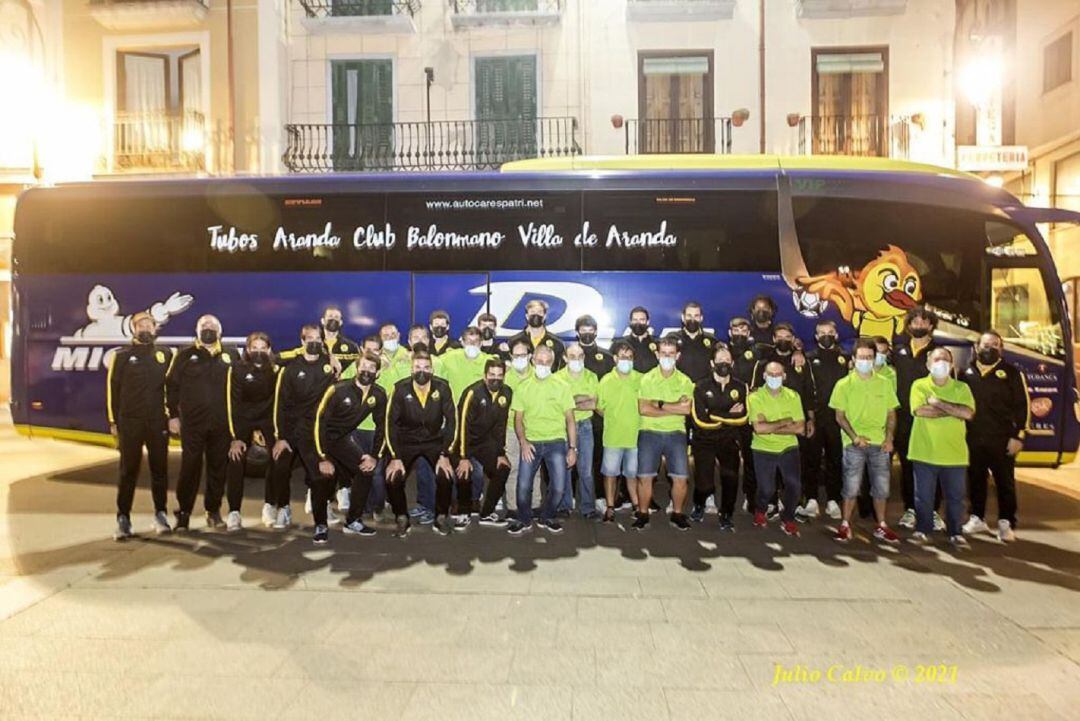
(1021, 312)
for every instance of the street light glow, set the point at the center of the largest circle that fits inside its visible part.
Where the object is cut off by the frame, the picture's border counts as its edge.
(981, 78)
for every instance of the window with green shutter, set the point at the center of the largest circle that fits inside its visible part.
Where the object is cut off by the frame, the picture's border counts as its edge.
(506, 108)
(346, 8)
(362, 111)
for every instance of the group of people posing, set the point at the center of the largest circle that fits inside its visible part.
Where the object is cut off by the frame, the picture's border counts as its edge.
(797, 423)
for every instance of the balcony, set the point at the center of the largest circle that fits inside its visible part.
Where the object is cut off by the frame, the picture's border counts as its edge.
(129, 15)
(422, 146)
(679, 10)
(483, 13)
(855, 135)
(677, 135)
(360, 16)
(824, 9)
(158, 143)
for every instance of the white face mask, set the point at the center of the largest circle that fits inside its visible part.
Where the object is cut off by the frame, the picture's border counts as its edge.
(391, 346)
(864, 366)
(880, 359)
(543, 372)
(667, 363)
(472, 352)
(625, 366)
(520, 364)
(774, 382)
(940, 369)
(576, 366)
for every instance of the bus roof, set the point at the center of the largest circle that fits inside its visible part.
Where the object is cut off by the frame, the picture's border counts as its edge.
(729, 162)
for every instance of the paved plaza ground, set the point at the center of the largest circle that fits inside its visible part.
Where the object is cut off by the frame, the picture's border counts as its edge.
(599, 622)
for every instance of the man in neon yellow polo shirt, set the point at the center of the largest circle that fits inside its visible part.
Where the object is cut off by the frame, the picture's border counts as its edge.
(617, 402)
(461, 367)
(940, 406)
(664, 399)
(583, 385)
(778, 418)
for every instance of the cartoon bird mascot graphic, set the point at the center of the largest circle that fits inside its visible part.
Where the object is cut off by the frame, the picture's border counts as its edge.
(875, 299)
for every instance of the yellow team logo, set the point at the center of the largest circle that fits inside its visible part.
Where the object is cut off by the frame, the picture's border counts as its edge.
(873, 299)
(501, 400)
(226, 358)
(734, 394)
(599, 356)
(326, 368)
(841, 360)
(342, 348)
(371, 400)
(435, 394)
(549, 343)
(160, 357)
(706, 342)
(748, 355)
(652, 347)
(1000, 374)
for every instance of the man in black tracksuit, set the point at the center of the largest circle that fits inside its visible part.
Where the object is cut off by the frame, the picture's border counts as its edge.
(828, 364)
(641, 341)
(251, 383)
(744, 359)
(135, 400)
(195, 390)
(762, 312)
(537, 334)
(695, 345)
(996, 435)
(342, 350)
(300, 386)
(600, 362)
(439, 325)
(481, 437)
(719, 413)
(421, 426)
(343, 408)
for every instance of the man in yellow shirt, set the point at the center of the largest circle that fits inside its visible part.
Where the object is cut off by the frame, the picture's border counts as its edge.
(583, 385)
(778, 418)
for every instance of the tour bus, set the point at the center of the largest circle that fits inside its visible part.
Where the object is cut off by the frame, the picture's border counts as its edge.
(859, 241)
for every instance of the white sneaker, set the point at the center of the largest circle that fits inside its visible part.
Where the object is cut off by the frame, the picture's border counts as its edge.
(908, 519)
(710, 504)
(959, 542)
(343, 497)
(160, 524)
(976, 525)
(832, 509)
(919, 539)
(812, 509)
(307, 502)
(601, 505)
(939, 522)
(284, 517)
(269, 515)
(332, 519)
(1006, 534)
(232, 522)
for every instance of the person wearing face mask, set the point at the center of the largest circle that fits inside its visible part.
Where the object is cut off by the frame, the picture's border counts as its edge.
(744, 358)
(909, 360)
(536, 333)
(883, 360)
(938, 448)
(340, 349)
(824, 450)
(421, 428)
(343, 407)
(719, 415)
(396, 362)
(762, 311)
(250, 402)
(996, 434)
(365, 432)
(695, 345)
(195, 396)
(462, 366)
(518, 369)
(419, 339)
(481, 439)
(600, 362)
(487, 323)
(546, 430)
(439, 324)
(643, 343)
(617, 402)
(300, 386)
(135, 405)
(865, 404)
(583, 385)
(778, 416)
(664, 398)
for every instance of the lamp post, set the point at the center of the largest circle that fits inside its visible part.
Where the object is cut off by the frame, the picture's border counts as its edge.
(429, 77)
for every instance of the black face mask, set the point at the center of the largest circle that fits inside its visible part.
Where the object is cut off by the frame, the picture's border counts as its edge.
(918, 332)
(333, 325)
(208, 336)
(827, 341)
(365, 378)
(145, 337)
(313, 347)
(535, 321)
(722, 369)
(989, 356)
(785, 346)
(586, 338)
(487, 333)
(692, 326)
(258, 357)
(762, 315)
(439, 331)
(739, 340)
(639, 329)
(421, 377)
(494, 385)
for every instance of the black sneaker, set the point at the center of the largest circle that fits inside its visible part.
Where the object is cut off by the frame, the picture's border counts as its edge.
(183, 522)
(403, 526)
(698, 514)
(517, 528)
(641, 520)
(609, 516)
(214, 520)
(679, 521)
(357, 528)
(322, 535)
(442, 525)
(551, 526)
(123, 527)
(492, 520)
(726, 524)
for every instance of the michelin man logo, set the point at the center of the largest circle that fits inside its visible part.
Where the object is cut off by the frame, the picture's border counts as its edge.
(106, 323)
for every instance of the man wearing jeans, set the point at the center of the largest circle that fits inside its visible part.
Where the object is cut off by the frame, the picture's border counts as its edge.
(546, 430)
(778, 418)
(940, 405)
(616, 401)
(865, 405)
(583, 385)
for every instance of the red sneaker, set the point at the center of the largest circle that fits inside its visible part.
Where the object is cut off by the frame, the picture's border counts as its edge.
(843, 534)
(790, 528)
(759, 519)
(884, 533)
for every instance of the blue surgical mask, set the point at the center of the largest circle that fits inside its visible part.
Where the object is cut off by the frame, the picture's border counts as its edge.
(667, 363)
(625, 366)
(774, 382)
(520, 364)
(940, 369)
(576, 366)
(391, 346)
(864, 366)
(472, 352)
(880, 360)
(543, 372)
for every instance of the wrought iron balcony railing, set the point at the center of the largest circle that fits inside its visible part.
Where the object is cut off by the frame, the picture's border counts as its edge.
(438, 145)
(159, 141)
(359, 8)
(856, 135)
(678, 135)
(471, 13)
